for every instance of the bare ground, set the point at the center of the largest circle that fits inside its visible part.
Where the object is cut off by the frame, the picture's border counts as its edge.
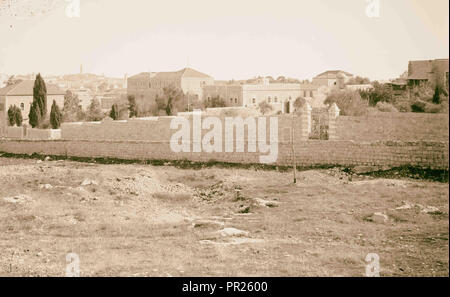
(140, 220)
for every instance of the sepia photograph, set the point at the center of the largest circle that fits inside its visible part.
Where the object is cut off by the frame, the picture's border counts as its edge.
(201, 141)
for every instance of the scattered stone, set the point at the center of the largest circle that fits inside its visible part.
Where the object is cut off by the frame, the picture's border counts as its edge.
(207, 223)
(379, 217)
(406, 205)
(87, 182)
(38, 161)
(18, 199)
(267, 203)
(424, 209)
(47, 159)
(430, 209)
(46, 186)
(232, 232)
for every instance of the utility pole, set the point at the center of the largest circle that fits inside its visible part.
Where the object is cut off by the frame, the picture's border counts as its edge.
(292, 142)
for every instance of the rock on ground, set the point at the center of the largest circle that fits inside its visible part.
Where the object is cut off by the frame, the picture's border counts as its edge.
(232, 232)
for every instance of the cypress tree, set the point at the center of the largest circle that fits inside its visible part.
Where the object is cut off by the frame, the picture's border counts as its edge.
(34, 116)
(114, 113)
(40, 96)
(11, 115)
(55, 116)
(18, 116)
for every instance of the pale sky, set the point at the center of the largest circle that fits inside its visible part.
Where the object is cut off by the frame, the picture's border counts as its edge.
(228, 39)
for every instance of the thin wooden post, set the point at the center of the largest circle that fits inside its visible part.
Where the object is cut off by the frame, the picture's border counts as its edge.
(293, 148)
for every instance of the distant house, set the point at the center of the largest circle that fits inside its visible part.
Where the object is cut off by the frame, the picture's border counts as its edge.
(332, 78)
(362, 87)
(280, 95)
(21, 95)
(146, 85)
(424, 70)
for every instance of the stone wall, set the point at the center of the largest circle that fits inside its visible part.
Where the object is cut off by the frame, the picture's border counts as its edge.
(393, 126)
(308, 153)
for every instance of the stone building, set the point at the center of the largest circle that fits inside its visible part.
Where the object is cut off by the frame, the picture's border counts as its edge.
(146, 85)
(425, 70)
(332, 78)
(21, 95)
(280, 95)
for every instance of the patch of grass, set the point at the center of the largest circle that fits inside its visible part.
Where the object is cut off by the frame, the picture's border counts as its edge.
(438, 175)
(172, 197)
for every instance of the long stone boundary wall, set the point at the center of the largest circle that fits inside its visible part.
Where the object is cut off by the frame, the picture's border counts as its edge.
(393, 126)
(432, 155)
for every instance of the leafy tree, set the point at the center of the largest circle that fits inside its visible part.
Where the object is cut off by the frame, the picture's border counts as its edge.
(265, 107)
(299, 103)
(171, 100)
(55, 116)
(72, 110)
(12, 81)
(379, 93)
(349, 102)
(215, 101)
(358, 80)
(94, 112)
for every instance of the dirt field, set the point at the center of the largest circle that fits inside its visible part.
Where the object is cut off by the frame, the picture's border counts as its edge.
(141, 220)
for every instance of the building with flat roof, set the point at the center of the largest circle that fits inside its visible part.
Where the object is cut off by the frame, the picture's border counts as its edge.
(280, 95)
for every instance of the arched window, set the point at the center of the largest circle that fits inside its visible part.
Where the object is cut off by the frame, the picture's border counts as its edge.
(254, 100)
(268, 99)
(22, 106)
(235, 100)
(275, 99)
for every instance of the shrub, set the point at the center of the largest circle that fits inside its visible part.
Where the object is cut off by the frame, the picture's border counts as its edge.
(386, 107)
(349, 102)
(433, 108)
(418, 106)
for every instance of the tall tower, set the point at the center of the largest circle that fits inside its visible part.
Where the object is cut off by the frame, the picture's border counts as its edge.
(81, 68)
